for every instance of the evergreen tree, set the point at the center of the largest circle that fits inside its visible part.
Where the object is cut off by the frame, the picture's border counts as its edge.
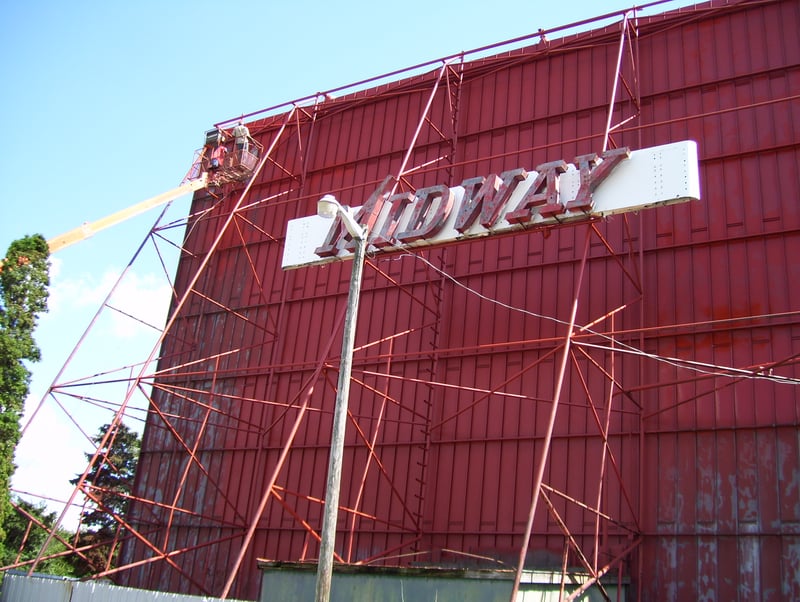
(24, 281)
(109, 481)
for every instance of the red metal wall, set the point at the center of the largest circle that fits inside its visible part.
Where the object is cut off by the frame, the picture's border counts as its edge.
(454, 384)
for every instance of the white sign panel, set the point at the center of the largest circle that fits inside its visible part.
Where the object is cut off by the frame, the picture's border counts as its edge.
(615, 182)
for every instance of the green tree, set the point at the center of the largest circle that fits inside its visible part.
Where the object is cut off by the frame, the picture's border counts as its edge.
(26, 529)
(24, 281)
(107, 486)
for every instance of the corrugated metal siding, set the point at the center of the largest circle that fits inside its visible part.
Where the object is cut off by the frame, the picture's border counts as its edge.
(713, 489)
(724, 503)
(21, 588)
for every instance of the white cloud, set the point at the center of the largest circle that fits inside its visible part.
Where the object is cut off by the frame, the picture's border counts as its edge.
(143, 297)
(53, 447)
(50, 454)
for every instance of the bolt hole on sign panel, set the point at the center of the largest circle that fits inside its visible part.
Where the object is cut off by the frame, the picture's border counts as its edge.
(561, 191)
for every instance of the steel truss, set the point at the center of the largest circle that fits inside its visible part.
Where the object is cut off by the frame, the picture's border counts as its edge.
(144, 381)
(584, 351)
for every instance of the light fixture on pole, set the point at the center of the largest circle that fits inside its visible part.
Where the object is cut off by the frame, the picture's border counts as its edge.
(329, 207)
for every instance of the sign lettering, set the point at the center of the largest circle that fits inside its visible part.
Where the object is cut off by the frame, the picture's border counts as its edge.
(556, 192)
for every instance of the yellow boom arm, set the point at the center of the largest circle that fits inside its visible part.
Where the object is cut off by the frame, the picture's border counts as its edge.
(88, 229)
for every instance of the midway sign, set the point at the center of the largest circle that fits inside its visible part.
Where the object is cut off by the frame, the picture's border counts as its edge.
(592, 186)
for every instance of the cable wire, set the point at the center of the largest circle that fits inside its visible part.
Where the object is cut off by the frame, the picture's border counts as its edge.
(763, 373)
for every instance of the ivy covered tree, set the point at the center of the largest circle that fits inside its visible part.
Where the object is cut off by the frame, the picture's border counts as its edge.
(107, 486)
(24, 282)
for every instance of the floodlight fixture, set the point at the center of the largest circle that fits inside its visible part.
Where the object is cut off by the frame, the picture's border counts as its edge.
(328, 207)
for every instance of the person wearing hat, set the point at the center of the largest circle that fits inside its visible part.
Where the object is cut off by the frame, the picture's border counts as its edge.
(242, 136)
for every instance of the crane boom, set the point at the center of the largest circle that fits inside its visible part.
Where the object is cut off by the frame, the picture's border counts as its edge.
(237, 166)
(88, 229)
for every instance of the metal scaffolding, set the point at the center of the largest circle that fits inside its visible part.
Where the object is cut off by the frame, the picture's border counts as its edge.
(586, 350)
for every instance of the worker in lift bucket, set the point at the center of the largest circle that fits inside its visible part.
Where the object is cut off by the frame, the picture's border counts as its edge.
(218, 156)
(242, 136)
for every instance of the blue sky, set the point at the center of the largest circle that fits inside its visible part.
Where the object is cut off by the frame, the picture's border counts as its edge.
(103, 104)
